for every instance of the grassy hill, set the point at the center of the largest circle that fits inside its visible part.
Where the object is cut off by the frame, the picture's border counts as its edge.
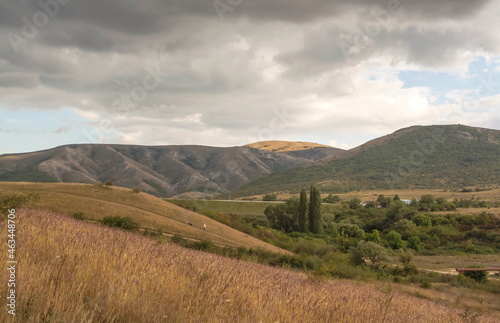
(451, 156)
(97, 202)
(74, 271)
(282, 146)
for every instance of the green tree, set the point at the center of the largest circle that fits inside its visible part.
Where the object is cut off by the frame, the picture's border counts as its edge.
(283, 216)
(350, 230)
(367, 249)
(415, 243)
(384, 201)
(394, 239)
(374, 236)
(314, 210)
(332, 199)
(355, 204)
(303, 204)
(422, 220)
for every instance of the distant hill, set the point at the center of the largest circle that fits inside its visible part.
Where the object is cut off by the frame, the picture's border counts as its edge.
(160, 170)
(297, 149)
(96, 202)
(281, 146)
(416, 157)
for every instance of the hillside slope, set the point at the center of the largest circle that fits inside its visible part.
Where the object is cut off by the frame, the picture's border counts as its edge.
(297, 149)
(163, 170)
(96, 202)
(416, 157)
(79, 272)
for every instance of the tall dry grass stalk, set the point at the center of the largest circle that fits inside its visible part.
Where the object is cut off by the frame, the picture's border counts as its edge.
(71, 271)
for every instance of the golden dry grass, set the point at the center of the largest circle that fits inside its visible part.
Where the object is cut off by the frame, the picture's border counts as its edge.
(281, 146)
(72, 271)
(150, 212)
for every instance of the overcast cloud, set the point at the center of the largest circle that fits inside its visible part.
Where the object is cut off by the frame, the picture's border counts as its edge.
(226, 72)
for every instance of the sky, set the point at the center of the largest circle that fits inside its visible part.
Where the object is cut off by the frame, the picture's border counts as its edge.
(232, 72)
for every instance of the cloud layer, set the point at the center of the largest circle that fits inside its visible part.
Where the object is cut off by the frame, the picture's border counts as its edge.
(229, 72)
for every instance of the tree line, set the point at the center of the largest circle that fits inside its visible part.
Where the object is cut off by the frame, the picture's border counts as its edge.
(301, 214)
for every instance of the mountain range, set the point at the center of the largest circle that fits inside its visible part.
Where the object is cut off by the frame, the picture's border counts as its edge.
(159, 170)
(415, 157)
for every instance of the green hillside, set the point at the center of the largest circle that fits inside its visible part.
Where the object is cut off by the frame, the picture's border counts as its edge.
(451, 156)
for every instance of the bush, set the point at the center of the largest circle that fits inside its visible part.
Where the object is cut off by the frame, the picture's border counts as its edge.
(422, 220)
(125, 223)
(479, 276)
(136, 190)
(79, 216)
(270, 197)
(178, 239)
(405, 256)
(204, 245)
(15, 201)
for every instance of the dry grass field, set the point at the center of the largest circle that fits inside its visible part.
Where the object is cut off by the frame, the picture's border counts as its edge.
(448, 263)
(96, 202)
(73, 271)
(282, 146)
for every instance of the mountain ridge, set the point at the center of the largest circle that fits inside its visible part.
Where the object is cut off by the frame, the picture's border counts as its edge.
(415, 157)
(160, 170)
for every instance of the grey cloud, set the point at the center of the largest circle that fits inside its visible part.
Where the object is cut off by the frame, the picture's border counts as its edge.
(84, 37)
(98, 51)
(19, 80)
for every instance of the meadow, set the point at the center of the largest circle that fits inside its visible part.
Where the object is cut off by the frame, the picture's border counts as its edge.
(74, 271)
(94, 202)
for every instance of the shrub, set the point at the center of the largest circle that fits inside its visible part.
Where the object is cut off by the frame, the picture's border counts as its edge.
(405, 256)
(422, 220)
(270, 197)
(79, 216)
(15, 201)
(479, 276)
(108, 183)
(125, 223)
(136, 190)
(178, 239)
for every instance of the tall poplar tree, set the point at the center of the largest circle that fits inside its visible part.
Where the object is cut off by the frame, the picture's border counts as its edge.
(314, 210)
(303, 211)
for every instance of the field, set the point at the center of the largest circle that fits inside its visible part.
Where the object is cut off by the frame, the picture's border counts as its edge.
(251, 208)
(96, 202)
(73, 271)
(490, 196)
(239, 207)
(282, 146)
(448, 264)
